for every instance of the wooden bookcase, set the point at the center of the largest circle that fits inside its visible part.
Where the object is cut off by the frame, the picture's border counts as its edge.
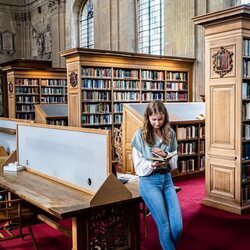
(190, 133)
(53, 114)
(28, 86)
(227, 55)
(102, 81)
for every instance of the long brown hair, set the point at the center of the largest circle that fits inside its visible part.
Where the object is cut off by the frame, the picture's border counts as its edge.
(155, 107)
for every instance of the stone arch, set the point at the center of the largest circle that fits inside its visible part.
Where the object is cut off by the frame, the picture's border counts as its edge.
(72, 22)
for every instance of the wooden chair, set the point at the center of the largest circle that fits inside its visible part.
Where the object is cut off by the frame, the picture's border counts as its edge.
(13, 216)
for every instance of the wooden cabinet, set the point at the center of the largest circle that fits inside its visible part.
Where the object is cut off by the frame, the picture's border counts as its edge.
(28, 86)
(53, 114)
(227, 82)
(190, 134)
(102, 81)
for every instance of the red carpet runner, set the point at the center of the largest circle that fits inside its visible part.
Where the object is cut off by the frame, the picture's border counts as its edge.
(204, 227)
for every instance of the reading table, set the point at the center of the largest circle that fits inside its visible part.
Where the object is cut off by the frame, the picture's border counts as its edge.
(115, 225)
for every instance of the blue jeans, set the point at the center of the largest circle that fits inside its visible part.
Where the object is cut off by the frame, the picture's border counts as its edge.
(158, 192)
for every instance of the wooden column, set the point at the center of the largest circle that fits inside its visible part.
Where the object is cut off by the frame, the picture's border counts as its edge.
(225, 32)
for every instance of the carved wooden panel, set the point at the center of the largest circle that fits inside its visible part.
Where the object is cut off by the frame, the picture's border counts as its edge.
(129, 167)
(222, 181)
(11, 103)
(222, 113)
(222, 61)
(74, 110)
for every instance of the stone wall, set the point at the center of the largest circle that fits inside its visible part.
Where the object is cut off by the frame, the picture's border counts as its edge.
(43, 28)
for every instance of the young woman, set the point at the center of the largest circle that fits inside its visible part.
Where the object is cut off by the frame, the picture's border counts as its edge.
(156, 185)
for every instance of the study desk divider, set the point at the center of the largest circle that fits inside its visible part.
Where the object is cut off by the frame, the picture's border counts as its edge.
(76, 157)
(7, 139)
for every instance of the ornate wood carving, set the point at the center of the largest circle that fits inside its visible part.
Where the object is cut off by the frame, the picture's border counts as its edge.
(10, 87)
(73, 79)
(118, 144)
(222, 61)
(109, 228)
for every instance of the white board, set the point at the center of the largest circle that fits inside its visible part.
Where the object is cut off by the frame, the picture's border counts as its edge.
(6, 140)
(181, 111)
(70, 156)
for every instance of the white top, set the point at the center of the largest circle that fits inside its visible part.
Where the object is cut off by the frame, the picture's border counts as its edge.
(143, 167)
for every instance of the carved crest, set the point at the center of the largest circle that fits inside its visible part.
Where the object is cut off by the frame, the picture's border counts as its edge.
(222, 61)
(73, 79)
(10, 87)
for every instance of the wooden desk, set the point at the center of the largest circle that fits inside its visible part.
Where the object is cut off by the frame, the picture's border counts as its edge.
(115, 225)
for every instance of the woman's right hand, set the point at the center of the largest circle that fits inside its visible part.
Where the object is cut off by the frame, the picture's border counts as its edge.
(158, 164)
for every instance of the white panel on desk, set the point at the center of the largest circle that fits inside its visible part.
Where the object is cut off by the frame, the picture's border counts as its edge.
(70, 156)
(7, 140)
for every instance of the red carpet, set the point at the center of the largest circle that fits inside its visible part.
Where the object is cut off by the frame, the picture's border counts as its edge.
(204, 227)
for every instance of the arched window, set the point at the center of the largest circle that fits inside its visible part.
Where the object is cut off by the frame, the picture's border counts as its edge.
(87, 25)
(151, 26)
(245, 1)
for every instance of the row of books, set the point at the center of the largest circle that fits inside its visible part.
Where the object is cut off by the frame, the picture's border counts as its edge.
(25, 90)
(96, 72)
(182, 76)
(153, 86)
(117, 118)
(202, 146)
(246, 110)
(245, 90)
(96, 95)
(246, 69)
(53, 99)
(26, 116)
(25, 108)
(187, 148)
(126, 85)
(96, 108)
(54, 82)
(202, 131)
(27, 99)
(187, 132)
(124, 73)
(175, 96)
(61, 122)
(246, 131)
(245, 172)
(202, 163)
(96, 119)
(246, 151)
(246, 47)
(152, 96)
(126, 96)
(152, 75)
(50, 91)
(245, 191)
(26, 81)
(177, 86)
(96, 84)
(186, 166)
(118, 107)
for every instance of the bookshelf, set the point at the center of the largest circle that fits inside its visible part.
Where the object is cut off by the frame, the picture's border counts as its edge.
(53, 114)
(227, 54)
(28, 86)
(102, 81)
(190, 134)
